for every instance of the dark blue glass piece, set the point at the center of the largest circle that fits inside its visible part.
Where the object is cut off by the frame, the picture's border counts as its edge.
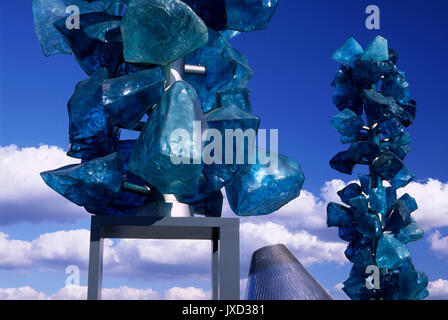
(343, 163)
(349, 234)
(226, 69)
(93, 184)
(221, 167)
(366, 182)
(412, 232)
(387, 166)
(47, 12)
(339, 216)
(406, 205)
(161, 31)
(370, 226)
(93, 53)
(92, 131)
(355, 288)
(347, 123)
(390, 252)
(360, 206)
(378, 200)
(126, 99)
(213, 12)
(267, 186)
(249, 15)
(167, 153)
(391, 128)
(362, 258)
(351, 191)
(413, 285)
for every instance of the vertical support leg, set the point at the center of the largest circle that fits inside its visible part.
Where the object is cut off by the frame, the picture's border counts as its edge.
(95, 262)
(229, 261)
(215, 268)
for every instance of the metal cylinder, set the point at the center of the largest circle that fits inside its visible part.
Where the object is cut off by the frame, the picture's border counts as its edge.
(192, 69)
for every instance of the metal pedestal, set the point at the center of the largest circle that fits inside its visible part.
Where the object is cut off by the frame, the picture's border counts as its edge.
(223, 233)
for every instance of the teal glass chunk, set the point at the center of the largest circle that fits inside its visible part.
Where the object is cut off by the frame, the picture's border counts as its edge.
(402, 178)
(47, 12)
(226, 69)
(92, 132)
(370, 226)
(365, 181)
(339, 216)
(412, 232)
(406, 205)
(267, 186)
(126, 99)
(391, 128)
(94, 183)
(347, 123)
(387, 165)
(234, 96)
(250, 15)
(362, 258)
(161, 31)
(348, 52)
(377, 50)
(390, 252)
(378, 200)
(349, 192)
(413, 285)
(167, 153)
(360, 205)
(355, 288)
(220, 166)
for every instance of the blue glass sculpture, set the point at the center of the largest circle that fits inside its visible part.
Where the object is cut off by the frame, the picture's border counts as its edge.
(161, 67)
(376, 224)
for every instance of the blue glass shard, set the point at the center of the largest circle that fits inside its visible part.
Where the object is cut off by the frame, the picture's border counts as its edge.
(391, 128)
(126, 99)
(413, 285)
(267, 186)
(226, 69)
(391, 253)
(212, 12)
(343, 163)
(370, 226)
(47, 12)
(94, 183)
(394, 85)
(360, 206)
(391, 196)
(339, 216)
(366, 182)
(412, 232)
(92, 131)
(234, 96)
(351, 191)
(348, 52)
(161, 31)
(378, 200)
(363, 151)
(221, 165)
(377, 50)
(347, 123)
(250, 15)
(362, 258)
(406, 205)
(92, 53)
(230, 34)
(167, 153)
(387, 166)
(355, 288)
(402, 178)
(395, 222)
(353, 248)
(349, 234)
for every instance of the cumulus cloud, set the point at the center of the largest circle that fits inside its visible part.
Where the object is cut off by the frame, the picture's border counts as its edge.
(438, 289)
(22, 293)
(439, 244)
(23, 194)
(189, 293)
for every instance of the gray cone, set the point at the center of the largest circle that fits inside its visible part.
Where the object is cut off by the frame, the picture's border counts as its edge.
(275, 274)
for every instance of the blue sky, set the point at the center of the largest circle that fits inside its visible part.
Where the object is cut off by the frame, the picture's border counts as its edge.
(290, 91)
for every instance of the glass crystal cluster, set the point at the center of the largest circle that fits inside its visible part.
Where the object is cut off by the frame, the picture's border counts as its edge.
(375, 106)
(136, 53)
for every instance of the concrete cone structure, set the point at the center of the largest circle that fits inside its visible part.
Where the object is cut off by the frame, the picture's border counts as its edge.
(275, 274)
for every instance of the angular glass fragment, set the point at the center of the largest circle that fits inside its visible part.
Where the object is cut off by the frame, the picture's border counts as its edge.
(391, 253)
(267, 186)
(349, 233)
(413, 285)
(47, 12)
(391, 128)
(355, 288)
(249, 15)
(370, 226)
(207, 201)
(366, 182)
(412, 232)
(360, 205)
(362, 258)
(347, 123)
(213, 12)
(377, 51)
(161, 31)
(126, 99)
(406, 205)
(391, 196)
(378, 200)
(234, 96)
(348, 52)
(387, 165)
(343, 163)
(395, 222)
(92, 53)
(167, 153)
(221, 164)
(92, 131)
(402, 178)
(363, 151)
(351, 191)
(339, 216)
(226, 69)
(394, 85)
(94, 183)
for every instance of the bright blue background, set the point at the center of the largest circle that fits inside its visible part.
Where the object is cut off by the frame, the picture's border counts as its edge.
(290, 89)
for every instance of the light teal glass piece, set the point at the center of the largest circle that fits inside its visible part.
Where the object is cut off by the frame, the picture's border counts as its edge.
(167, 153)
(161, 31)
(348, 52)
(377, 50)
(390, 252)
(412, 232)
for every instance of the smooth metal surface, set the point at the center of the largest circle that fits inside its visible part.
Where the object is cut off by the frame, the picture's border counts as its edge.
(223, 233)
(174, 72)
(192, 69)
(135, 188)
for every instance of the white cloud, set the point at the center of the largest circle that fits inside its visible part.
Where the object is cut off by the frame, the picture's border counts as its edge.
(120, 293)
(438, 289)
(23, 194)
(439, 244)
(14, 253)
(189, 293)
(22, 293)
